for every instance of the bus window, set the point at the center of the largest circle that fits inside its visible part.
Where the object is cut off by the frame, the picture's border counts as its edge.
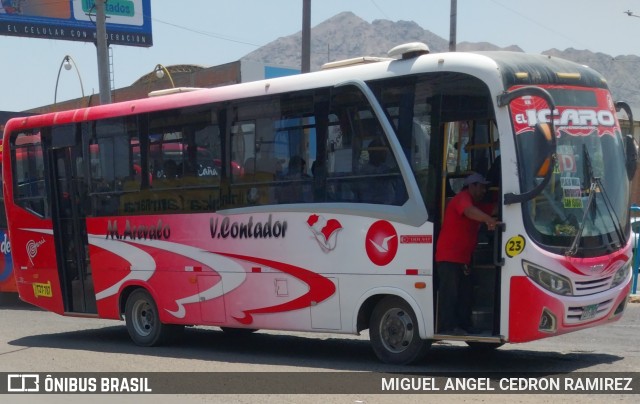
(360, 165)
(293, 137)
(184, 161)
(275, 135)
(112, 166)
(29, 178)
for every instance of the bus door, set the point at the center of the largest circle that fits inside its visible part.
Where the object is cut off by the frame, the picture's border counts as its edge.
(69, 226)
(470, 146)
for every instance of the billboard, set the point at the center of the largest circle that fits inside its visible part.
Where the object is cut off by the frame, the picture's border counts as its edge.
(128, 21)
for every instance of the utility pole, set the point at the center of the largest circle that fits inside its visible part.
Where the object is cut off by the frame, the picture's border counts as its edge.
(452, 25)
(103, 52)
(305, 66)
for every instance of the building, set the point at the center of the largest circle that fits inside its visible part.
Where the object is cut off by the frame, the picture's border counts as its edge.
(240, 71)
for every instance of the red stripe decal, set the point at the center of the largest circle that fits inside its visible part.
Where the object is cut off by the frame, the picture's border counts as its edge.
(320, 288)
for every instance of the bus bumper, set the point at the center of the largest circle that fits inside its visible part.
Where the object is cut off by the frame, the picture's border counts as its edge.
(535, 313)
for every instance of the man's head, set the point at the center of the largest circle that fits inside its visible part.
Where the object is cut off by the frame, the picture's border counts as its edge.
(477, 185)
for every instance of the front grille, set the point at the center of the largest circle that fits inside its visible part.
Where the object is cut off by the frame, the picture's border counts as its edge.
(584, 314)
(583, 288)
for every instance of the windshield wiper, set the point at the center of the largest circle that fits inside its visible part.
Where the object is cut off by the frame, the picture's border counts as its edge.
(595, 184)
(574, 245)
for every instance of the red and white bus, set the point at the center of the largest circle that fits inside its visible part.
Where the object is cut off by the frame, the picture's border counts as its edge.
(314, 202)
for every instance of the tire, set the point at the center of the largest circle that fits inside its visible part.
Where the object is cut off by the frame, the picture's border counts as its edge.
(143, 321)
(484, 346)
(394, 335)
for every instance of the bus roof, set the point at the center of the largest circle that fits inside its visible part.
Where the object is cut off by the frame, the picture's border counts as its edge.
(500, 69)
(529, 69)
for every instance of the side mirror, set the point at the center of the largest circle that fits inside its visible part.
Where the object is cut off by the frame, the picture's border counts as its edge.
(542, 142)
(631, 155)
(540, 147)
(544, 150)
(630, 144)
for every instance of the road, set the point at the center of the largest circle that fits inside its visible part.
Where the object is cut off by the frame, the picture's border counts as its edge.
(35, 341)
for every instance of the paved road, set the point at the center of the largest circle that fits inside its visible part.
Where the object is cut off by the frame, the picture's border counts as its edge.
(35, 341)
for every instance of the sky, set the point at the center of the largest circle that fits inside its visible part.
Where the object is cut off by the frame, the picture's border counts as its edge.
(214, 32)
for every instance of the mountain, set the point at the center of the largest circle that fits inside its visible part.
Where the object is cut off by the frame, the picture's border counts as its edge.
(620, 71)
(346, 36)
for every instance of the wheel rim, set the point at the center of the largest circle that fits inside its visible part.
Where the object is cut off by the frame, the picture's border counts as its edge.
(143, 320)
(396, 330)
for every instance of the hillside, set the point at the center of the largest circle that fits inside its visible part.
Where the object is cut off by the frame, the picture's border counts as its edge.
(347, 35)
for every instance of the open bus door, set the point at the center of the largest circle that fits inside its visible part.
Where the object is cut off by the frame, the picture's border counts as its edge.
(69, 225)
(471, 146)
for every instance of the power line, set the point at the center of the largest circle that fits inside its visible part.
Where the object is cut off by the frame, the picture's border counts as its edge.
(379, 9)
(537, 23)
(205, 33)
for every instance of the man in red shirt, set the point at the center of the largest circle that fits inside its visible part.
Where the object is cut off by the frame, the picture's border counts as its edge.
(463, 217)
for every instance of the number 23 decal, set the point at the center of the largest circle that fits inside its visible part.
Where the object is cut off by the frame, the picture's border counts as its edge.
(515, 245)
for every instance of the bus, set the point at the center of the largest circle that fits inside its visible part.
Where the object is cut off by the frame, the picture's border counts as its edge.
(7, 283)
(314, 202)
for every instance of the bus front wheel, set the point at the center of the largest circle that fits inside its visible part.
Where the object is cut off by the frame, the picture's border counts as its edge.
(393, 331)
(143, 321)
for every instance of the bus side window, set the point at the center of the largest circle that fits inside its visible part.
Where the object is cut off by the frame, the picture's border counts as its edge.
(360, 160)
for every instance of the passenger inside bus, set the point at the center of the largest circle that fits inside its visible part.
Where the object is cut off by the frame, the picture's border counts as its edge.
(295, 189)
(170, 169)
(376, 188)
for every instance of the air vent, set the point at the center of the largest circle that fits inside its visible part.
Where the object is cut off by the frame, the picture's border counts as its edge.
(408, 50)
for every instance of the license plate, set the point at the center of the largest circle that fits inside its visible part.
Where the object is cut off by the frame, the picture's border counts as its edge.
(589, 312)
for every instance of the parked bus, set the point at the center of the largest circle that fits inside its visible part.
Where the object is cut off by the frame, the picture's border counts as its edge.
(326, 205)
(7, 283)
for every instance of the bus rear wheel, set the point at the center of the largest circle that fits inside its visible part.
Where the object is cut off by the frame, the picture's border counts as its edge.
(143, 321)
(394, 335)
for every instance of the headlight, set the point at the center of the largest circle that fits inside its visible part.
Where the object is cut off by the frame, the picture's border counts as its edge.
(551, 281)
(621, 275)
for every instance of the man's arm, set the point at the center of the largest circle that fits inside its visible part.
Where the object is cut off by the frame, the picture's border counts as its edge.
(478, 215)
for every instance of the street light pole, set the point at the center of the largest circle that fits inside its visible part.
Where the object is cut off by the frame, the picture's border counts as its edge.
(67, 61)
(103, 52)
(160, 72)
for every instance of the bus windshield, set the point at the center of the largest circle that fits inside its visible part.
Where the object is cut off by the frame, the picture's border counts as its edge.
(589, 159)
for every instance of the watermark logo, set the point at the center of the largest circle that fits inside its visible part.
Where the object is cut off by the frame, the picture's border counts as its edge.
(23, 383)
